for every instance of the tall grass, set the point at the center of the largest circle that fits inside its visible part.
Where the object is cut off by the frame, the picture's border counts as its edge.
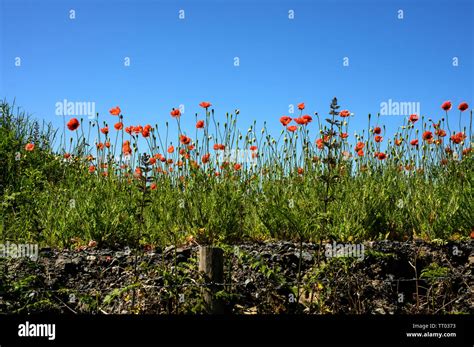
(137, 186)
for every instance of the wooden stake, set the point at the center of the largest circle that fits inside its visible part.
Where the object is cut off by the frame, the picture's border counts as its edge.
(211, 263)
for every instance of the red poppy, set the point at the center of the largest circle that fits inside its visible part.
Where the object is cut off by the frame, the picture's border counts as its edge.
(91, 168)
(153, 186)
(308, 118)
(398, 142)
(360, 153)
(73, 124)
(446, 105)
(129, 129)
(138, 129)
(175, 113)
(100, 146)
(115, 111)
(381, 156)
(458, 138)
(463, 106)
(378, 138)
(377, 130)
(414, 142)
(219, 147)
(138, 172)
(427, 135)
(440, 132)
(200, 124)
(145, 132)
(184, 140)
(301, 121)
(104, 130)
(126, 149)
(344, 135)
(190, 147)
(253, 148)
(413, 118)
(300, 171)
(107, 144)
(359, 146)
(67, 155)
(301, 106)
(285, 120)
(118, 126)
(205, 158)
(237, 167)
(467, 151)
(292, 128)
(320, 143)
(205, 104)
(344, 113)
(170, 149)
(152, 161)
(30, 147)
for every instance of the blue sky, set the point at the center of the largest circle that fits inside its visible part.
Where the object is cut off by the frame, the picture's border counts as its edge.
(282, 61)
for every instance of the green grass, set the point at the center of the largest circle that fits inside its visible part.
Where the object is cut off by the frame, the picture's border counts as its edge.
(293, 190)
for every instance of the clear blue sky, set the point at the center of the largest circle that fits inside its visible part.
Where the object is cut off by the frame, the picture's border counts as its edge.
(282, 61)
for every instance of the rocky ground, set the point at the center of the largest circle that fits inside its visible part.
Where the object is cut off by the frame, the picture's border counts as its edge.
(272, 277)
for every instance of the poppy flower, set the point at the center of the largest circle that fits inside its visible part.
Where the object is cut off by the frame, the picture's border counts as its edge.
(291, 128)
(138, 172)
(73, 124)
(413, 118)
(446, 105)
(138, 129)
(301, 121)
(359, 146)
(308, 118)
(205, 104)
(285, 120)
(67, 155)
(107, 144)
(301, 106)
(175, 113)
(237, 167)
(343, 135)
(118, 126)
(104, 130)
(381, 156)
(100, 146)
(440, 132)
(145, 132)
(253, 148)
(360, 153)
(205, 158)
(152, 161)
(115, 111)
(91, 168)
(320, 143)
(200, 124)
(398, 142)
(414, 142)
(30, 147)
(458, 138)
(129, 130)
(218, 147)
(190, 147)
(170, 149)
(185, 140)
(300, 171)
(427, 135)
(377, 130)
(344, 113)
(463, 106)
(378, 138)
(467, 151)
(153, 186)
(126, 149)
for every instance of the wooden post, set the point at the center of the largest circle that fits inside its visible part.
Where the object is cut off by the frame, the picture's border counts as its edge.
(211, 263)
